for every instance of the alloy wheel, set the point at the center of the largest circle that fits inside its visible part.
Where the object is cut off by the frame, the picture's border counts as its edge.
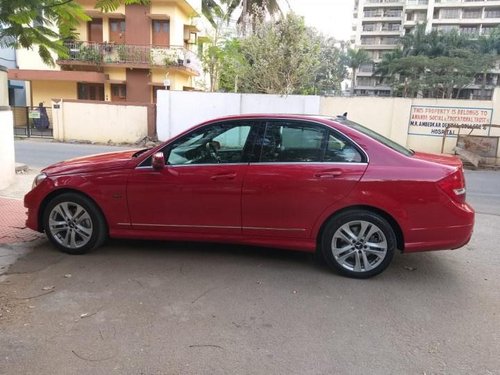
(359, 246)
(70, 225)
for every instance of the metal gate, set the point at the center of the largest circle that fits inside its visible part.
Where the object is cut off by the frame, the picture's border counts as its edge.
(33, 122)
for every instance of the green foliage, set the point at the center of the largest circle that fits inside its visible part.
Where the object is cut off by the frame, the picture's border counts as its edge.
(234, 66)
(437, 64)
(331, 71)
(90, 54)
(111, 5)
(283, 57)
(353, 59)
(45, 24)
(249, 9)
(279, 57)
(286, 58)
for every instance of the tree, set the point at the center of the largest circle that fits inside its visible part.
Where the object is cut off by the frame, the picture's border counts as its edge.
(45, 23)
(250, 10)
(385, 69)
(234, 66)
(282, 56)
(354, 58)
(213, 54)
(415, 42)
(437, 77)
(213, 11)
(446, 76)
(438, 64)
(331, 70)
(408, 74)
(279, 57)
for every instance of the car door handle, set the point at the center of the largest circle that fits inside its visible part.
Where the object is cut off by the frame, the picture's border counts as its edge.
(328, 174)
(223, 176)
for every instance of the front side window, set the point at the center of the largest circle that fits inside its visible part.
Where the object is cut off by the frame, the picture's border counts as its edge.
(213, 144)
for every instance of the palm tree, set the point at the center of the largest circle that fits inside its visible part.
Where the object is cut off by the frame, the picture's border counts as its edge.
(354, 58)
(249, 8)
(415, 42)
(211, 9)
(386, 67)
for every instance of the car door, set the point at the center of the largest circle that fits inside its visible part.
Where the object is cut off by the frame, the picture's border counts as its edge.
(199, 190)
(304, 169)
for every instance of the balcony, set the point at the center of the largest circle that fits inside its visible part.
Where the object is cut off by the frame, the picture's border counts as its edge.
(383, 3)
(466, 3)
(90, 54)
(371, 29)
(416, 2)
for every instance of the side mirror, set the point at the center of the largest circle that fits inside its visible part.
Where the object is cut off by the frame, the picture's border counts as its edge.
(158, 161)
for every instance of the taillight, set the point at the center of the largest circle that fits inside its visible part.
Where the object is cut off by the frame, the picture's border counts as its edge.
(454, 185)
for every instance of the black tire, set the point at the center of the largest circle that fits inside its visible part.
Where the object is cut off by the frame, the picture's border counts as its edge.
(359, 257)
(80, 224)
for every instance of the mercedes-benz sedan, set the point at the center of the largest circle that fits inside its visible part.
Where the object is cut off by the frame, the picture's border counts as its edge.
(308, 183)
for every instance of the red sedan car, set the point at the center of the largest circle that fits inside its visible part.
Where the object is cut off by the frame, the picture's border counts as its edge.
(308, 183)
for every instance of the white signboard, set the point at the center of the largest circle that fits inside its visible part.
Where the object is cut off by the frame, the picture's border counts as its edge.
(34, 113)
(429, 120)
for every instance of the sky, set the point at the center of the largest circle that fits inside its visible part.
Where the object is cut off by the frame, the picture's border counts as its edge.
(331, 17)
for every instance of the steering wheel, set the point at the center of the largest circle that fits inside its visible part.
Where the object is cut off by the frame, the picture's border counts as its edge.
(212, 148)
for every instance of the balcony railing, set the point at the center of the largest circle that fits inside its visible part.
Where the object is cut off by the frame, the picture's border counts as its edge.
(91, 53)
(417, 2)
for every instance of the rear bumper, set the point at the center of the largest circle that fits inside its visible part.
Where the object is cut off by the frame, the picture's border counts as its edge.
(443, 238)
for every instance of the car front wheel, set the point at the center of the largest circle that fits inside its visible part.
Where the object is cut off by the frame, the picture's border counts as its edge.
(74, 224)
(358, 243)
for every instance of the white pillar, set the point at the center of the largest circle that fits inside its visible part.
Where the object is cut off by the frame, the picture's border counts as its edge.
(7, 161)
(58, 119)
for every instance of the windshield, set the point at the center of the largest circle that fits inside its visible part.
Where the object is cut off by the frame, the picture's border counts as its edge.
(140, 152)
(384, 140)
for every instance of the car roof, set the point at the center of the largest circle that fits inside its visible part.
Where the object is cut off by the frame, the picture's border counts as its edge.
(292, 116)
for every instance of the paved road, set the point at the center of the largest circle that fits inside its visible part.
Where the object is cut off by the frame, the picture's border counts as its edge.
(142, 307)
(41, 153)
(483, 191)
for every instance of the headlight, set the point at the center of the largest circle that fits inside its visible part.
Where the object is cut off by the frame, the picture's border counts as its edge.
(39, 178)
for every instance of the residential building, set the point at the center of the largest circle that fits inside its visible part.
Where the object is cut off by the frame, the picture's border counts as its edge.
(379, 24)
(17, 94)
(125, 55)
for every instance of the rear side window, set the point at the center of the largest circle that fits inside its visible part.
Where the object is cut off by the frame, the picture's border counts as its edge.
(295, 141)
(379, 137)
(341, 150)
(292, 142)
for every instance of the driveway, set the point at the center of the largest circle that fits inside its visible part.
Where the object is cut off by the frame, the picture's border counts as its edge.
(171, 308)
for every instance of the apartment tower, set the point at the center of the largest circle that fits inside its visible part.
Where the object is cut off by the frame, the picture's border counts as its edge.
(379, 24)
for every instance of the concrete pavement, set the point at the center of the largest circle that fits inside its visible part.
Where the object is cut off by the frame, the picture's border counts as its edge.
(12, 222)
(15, 238)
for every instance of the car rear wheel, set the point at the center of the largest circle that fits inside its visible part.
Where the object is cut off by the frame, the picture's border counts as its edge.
(358, 243)
(74, 224)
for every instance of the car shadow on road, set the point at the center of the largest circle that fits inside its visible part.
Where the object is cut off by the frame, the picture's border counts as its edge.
(432, 267)
(408, 268)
